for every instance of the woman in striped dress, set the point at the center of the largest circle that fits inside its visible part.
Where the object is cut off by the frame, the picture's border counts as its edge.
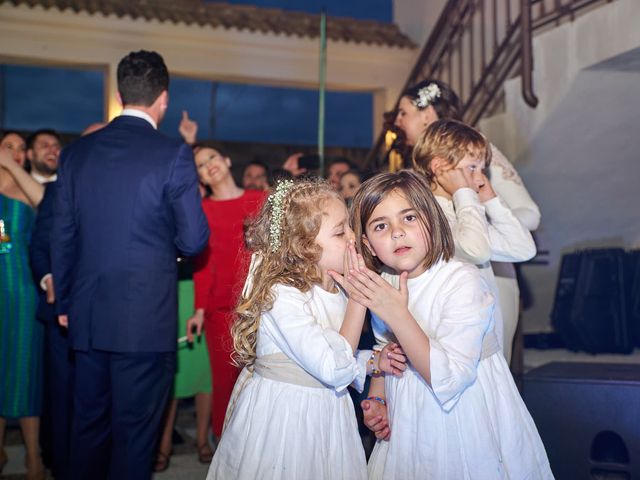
(20, 333)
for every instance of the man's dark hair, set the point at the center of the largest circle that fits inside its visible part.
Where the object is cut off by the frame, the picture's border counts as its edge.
(258, 163)
(336, 160)
(142, 77)
(43, 131)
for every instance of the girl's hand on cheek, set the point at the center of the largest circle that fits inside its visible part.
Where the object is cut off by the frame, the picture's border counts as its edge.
(351, 264)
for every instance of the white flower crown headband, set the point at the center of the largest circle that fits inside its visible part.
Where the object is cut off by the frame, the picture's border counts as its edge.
(426, 95)
(276, 199)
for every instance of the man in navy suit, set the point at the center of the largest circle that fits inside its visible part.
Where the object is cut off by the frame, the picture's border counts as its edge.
(58, 361)
(127, 205)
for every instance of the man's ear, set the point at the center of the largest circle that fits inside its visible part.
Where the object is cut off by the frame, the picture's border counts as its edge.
(367, 245)
(164, 100)
(119, 98)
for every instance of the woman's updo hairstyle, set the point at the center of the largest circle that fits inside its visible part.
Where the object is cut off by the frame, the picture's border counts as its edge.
(446, 104)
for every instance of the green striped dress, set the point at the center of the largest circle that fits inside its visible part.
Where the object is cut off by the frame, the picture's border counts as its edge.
(21, 336)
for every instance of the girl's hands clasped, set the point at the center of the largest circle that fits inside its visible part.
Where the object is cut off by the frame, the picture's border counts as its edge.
(376, 418)
(371, 290)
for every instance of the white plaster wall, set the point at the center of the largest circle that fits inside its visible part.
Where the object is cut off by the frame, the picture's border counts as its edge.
(579, 151)
(416, 18)
(559, 54)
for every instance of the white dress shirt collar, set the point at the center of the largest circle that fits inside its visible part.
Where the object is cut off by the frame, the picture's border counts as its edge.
(133, 112)
(42, 179)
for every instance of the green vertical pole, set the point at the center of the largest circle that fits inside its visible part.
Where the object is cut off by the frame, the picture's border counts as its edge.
(323, 71)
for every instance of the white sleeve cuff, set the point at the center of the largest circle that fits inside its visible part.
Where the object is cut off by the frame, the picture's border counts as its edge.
(346, 367)
(43, 281)
(495, 206)
(464, 197)
(362, 357)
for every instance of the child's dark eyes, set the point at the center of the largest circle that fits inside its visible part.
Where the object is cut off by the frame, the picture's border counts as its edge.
(410, 218)
(340, 234)
(379, 227)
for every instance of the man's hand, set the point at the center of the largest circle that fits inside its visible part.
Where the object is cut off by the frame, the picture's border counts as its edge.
(51, 294)
(291, 165)
(188, 128)
(63, 321)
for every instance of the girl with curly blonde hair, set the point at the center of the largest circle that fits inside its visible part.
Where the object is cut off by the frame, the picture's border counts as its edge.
(290, 416)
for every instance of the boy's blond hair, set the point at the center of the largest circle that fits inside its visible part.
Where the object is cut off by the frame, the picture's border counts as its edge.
(451, 141)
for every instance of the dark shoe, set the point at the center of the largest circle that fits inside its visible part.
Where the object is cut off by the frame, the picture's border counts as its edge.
(176, 438)
(162, 462)
(3, 460)
(35, 470)
(205, 454)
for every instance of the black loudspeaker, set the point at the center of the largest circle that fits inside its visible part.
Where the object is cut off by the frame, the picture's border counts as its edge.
(590, 309)
(563, 301)
(588, 416)
(632, 280)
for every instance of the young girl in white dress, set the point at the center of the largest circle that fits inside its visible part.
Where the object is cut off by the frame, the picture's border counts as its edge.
(290, 416)
(456, 412)
(453, 156)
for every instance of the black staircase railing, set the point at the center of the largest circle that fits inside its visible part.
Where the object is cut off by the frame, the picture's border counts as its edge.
(476, 45)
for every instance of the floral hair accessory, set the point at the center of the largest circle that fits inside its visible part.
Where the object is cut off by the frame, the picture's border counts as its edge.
(276, 199)
(426, 95)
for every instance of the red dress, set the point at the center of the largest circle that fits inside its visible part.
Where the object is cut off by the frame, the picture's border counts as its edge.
(218, 279)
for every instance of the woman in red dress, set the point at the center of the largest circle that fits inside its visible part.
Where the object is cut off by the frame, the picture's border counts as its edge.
(221, 270)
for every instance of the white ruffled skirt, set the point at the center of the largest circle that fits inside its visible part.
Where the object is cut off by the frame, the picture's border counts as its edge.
(488, 434)
(284, 431)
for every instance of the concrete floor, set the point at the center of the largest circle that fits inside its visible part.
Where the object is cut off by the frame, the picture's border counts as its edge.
(184, 461)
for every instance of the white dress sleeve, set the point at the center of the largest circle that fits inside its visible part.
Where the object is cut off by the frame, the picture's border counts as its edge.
(510, 240)
(322, 352)
(470, 229)
(456, 343)
(509, 186)
(489, 231)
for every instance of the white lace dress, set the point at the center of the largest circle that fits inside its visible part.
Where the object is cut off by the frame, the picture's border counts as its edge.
(509, 186)
(281, 430)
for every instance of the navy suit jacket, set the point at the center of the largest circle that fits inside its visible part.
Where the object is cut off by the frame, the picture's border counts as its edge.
(40, 252)
(127, 205)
